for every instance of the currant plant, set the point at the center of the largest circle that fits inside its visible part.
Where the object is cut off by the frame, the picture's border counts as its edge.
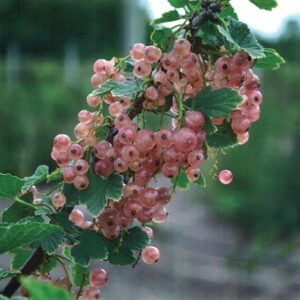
(196, 76)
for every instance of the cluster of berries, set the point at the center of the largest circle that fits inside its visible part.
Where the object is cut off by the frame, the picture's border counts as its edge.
(236, 73)
(138, 152)
(69, 156)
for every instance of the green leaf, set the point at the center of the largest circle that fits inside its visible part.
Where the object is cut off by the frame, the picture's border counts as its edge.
(241, 38)
(265, 4)
(122, 251)
(201, 181)
(135, 239)
(91, 245)
(48, 265)
(16, 235)
(178, 3)
(124, 88)
(161, 37)
(169, 16)
(20, 257)
(209, 127)
(217, 103)
(10, 186)
(41, 290)
(272, 60)
(17, 211)
(80, 274)
(209, 34)
(51, 242)
(99, 191)
(39, 175)
(71, 231)
(181, 180)
(228, 11)
(5, 274)
(224, 137)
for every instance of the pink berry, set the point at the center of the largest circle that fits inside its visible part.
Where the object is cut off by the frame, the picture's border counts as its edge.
(101, 148)
(170, 170)
(58, 200)
(160, 215)
(170, 61)
(142, 69)
(122, 121)
(164, 138)
(77, 217)
(182, 47)
(103, 167)
(97, 79)
(61, 142)
(150, 255)
(192, 173)
(148, 231)
(185, 139)
(115, 109)
(75, 152)
(98, 278)
(68, 174)
(120, 165)
(92, 100)
(91, 293)
(225, 177)
(194, 120)
(137, 52)
(81, 167)
(81, 182)
(152, 54)
(145, 140)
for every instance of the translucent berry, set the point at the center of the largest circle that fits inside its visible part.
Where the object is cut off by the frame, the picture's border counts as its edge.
(152, 54)
(225, 177)
(137, 52)
(77, 217)
(75, 152)
(81, 167)
(149, 231)
(150, 255)
(142, 69)
(182, 47)
(61, 142)
(81, 182)
(92, 100)
(58, 200)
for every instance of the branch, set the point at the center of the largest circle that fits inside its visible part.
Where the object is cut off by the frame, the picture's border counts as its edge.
(32, 264)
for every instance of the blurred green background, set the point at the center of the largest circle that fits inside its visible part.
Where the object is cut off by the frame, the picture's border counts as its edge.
(47, 48)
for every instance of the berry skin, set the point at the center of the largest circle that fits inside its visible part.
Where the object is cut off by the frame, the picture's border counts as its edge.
(81, 167)
(90, 293)
(81, 182)
(182, 47)
(77, 217)
(152, 54)
(137, 52)
(142, 69)
(160, 215)
(225, 177)
(150, 255)
(92, 100)
(58, 200)
(149, 232)
(75, 152)
(61, 142)
(98, 278)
